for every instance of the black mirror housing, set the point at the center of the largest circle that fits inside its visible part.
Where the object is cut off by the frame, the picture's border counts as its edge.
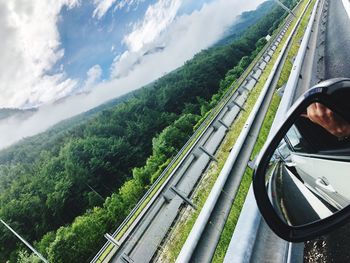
(334, 94)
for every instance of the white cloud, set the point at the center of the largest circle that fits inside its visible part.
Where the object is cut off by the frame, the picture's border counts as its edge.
(93, 77)
(102, 6)
(29, 48)
(182, 38)
(157, 18)
(122, 64)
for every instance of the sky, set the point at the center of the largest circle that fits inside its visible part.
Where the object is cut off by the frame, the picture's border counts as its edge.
(85, 52)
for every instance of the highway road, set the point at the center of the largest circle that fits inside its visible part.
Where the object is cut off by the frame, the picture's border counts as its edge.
(337, 53)
(143, 240)
(332, 60)
(327, 56)
(295, 203)
(335, 246)
(268, 247)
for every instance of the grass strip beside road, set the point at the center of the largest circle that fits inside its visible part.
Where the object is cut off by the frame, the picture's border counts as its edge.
(215, 110)
(186, 223)
(236, 84)
(247, 178)
(176, 241)
(244, 187)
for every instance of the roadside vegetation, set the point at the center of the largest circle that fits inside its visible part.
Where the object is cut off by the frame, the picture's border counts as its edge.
(171, 251)
(65, 188)
(247, 178)
(172, 248)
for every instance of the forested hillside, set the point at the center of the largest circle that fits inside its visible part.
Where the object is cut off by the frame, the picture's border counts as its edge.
(246, 19)
(88, 167)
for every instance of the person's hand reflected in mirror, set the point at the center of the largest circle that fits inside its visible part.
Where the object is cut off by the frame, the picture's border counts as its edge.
(326, 118)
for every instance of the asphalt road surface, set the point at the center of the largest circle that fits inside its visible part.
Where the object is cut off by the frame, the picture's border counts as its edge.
(296, 205)
(335, 247)
(337, 53)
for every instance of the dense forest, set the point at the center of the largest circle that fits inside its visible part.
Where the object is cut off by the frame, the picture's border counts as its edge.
(63, 189)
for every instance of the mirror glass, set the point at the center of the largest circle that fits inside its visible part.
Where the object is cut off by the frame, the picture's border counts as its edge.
(308, 175)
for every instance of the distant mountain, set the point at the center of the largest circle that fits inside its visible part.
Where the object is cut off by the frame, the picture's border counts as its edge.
(14, 112)
(245, 20)
(72, 122)
(49, 179)
(154, 50)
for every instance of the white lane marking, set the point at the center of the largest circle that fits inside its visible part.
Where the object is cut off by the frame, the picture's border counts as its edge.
(346, 4)
(314, 202)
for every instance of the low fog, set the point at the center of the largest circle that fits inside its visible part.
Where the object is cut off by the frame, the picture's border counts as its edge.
(184, 37)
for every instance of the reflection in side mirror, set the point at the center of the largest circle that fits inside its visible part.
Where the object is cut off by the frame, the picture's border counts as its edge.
(302, 179)
(308, 175)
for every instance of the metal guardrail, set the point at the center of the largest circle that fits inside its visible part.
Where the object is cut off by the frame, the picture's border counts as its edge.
(203, 218)
(208, 122)
(294, 77)
(243, 241)
(198, 133)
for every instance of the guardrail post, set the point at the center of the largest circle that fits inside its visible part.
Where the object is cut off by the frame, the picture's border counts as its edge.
(267, 58)
(112, 240)
(126, 258)
(259, 67)
(238, 105)
(229, 106)
(216, 126)
(196, 153)
(254, 78)
(245, 89)
(207, 153)
(223, 124)
(168, 196)
(183, 197)
(234, 103)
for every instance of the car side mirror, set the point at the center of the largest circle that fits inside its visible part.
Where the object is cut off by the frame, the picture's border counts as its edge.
(302, 178)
